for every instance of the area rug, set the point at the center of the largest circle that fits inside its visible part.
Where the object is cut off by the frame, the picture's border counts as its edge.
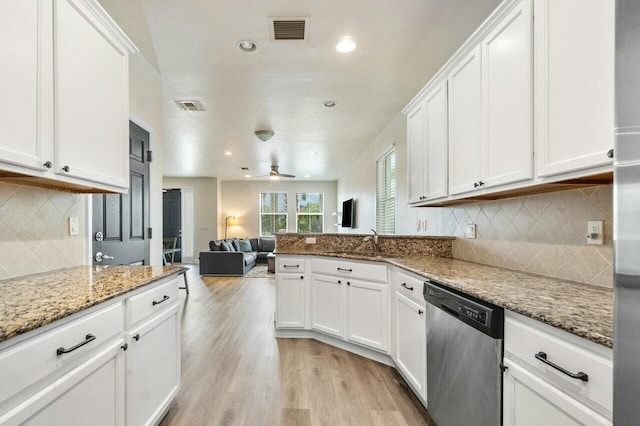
(260, 271)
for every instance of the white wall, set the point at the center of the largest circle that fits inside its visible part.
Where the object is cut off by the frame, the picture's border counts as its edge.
(205, 195)
(241, 199)
(359, 182)
(145, 102)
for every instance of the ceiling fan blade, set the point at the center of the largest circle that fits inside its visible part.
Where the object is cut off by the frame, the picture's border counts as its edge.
(286, 175)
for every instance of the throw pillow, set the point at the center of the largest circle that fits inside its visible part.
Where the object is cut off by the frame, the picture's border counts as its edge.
(267, 244)
(215, 245)
(236, 244)
(225, 246)
(230, 244)
(245, 245)
(254, 244)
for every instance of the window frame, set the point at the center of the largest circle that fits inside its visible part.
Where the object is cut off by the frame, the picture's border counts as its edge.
(321, 214)
(383, 228)
(261, 213)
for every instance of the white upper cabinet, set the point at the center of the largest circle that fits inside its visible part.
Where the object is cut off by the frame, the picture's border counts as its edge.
(416, 150)
(465, 124)
(21, 141)
(574, 84)
(436, 142)
(507, 103)
(91, 98)
(67, 110)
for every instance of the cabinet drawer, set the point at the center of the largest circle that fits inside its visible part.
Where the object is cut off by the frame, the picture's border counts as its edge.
(36, 358)
(290, 264)
(349, 269)
(152, 301)
(523, 339)
(411, 287)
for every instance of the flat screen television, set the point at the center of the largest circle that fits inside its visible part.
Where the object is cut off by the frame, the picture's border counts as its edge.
(349, 213)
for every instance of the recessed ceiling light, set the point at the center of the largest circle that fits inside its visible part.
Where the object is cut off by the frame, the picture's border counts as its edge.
(329, 104)
(307, 176)
(247, 176)
(346, 45)
(247, 46)
(228, 153)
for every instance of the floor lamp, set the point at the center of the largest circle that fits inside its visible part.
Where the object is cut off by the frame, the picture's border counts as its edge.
(226, 225)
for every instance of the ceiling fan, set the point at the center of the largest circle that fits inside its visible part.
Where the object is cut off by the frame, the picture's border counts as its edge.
(275, 174)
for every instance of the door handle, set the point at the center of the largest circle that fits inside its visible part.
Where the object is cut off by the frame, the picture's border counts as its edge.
(406, 286)
(164, 299)
(100, 257)
(87, 339)
(541, 356)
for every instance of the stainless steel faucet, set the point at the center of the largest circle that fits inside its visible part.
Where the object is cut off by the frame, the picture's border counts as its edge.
(374, 240)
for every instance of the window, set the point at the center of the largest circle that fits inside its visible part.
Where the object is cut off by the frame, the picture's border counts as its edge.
(309, 212)
(273, 212)
(386, 193)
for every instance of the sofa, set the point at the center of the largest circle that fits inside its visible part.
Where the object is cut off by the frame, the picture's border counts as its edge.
(232, 257)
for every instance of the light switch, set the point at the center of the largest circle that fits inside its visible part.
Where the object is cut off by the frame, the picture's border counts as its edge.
(470, 231)
(310, 240)
(73, 225)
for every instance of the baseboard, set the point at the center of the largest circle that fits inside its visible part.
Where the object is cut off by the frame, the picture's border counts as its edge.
(330, 340)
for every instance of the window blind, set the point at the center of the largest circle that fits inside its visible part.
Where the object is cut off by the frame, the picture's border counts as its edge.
(386, 193)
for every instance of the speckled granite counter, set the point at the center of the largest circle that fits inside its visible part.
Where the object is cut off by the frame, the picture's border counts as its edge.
(580, 309)
(32, 301)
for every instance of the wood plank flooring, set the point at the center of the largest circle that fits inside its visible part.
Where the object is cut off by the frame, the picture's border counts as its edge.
(235, 372)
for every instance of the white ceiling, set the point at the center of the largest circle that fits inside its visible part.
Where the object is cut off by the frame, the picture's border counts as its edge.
(400, 45)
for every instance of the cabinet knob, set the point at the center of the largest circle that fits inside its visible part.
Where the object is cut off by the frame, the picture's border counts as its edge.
(610, 153)
(348, 283)
(124, 347)
(136, 337)
(339, 282)
(475, 184)
(480, 183)
(47, 164)
(420, 312)
(66, 169)
(302, 277)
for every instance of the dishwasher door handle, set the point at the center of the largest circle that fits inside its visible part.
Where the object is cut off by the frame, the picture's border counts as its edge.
(541, 356)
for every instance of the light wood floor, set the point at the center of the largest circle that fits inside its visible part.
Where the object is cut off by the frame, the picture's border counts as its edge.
(234, 370)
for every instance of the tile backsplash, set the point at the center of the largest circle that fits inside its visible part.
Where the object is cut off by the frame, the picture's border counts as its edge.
(34, 231)
(543, 234)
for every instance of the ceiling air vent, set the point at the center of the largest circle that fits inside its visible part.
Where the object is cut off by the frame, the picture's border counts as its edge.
(190, 105)
(288, 28)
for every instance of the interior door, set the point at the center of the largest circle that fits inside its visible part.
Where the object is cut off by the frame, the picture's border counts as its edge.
(121, 221)
(172, 218)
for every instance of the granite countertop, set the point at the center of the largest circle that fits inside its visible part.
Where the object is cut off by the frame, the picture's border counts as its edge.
(32, 301)
(581, 309)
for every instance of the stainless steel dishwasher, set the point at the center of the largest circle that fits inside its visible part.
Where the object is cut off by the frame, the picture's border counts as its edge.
(464, 358)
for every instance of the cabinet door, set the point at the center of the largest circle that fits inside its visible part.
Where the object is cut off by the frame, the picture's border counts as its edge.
(416, 143)
(327, 305)
(153, 367)
(530, 401)
(91, 99)
(411, 350)
(574, 80)
(436, 143)
(22, 87)
(368, 314)
(290, 301)
(465, 124)
(91, 394)
(507, 103)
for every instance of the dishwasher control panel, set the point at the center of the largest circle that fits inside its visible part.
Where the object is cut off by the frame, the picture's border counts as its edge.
(477, 315)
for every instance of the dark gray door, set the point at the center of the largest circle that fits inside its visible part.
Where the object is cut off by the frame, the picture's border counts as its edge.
(172, 218)
(123, 219)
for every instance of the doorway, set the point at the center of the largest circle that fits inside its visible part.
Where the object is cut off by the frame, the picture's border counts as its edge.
(120, 222)
(172, 220)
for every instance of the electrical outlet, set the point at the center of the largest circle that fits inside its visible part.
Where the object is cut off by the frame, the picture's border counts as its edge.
(310, 240)
(470, 231)
(595, 232)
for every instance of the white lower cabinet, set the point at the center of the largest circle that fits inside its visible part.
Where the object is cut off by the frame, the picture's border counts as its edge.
(90, 394)
(530, 401)
(291, 301)
(89, 370)
(153, 367)
(368, 314)
(327, 304)
(411, 343)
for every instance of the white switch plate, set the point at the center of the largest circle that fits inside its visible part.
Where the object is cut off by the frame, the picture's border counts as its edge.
(310, 240)
(470, 231)
(73, 225)
(595, 232)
